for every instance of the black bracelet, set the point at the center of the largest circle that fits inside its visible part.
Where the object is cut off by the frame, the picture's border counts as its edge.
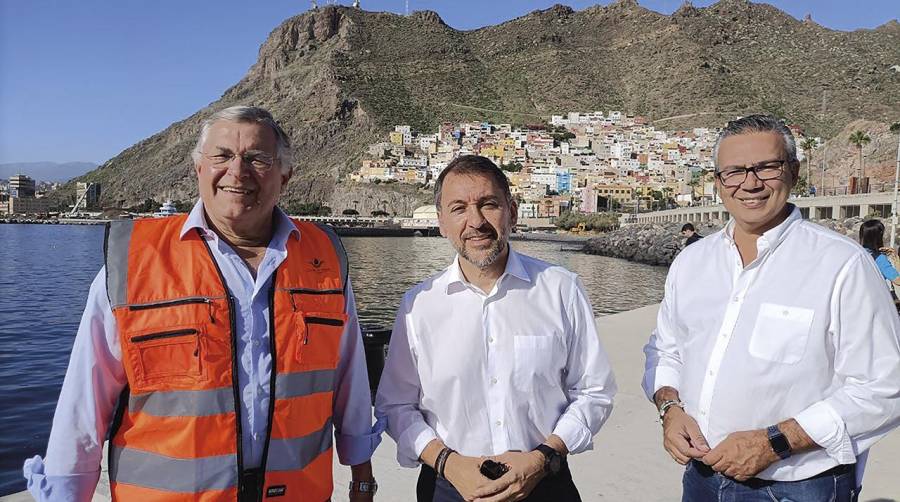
(441, 461)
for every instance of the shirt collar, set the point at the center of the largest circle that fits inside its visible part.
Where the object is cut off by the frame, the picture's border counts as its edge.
(284, 226)
(772, 237)
(514, 267)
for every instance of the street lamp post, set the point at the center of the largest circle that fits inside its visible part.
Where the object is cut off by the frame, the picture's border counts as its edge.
(894, 205)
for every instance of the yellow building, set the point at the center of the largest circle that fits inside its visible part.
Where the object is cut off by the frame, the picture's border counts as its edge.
(621, 193)
(396, 137)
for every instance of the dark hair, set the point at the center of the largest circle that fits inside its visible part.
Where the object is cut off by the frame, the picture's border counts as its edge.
(472, 165)
(688, 226)
(759, 123)
(871, 235)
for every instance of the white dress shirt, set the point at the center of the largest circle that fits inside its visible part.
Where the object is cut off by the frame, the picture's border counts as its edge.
(96, 377)
(806, 331)
(492, 372)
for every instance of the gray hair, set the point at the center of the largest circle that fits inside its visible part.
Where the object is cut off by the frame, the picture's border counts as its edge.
(472, 165)
(251, 114)
(759, 123)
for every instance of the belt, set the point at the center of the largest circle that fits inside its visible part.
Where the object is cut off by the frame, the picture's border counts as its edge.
(756, 483)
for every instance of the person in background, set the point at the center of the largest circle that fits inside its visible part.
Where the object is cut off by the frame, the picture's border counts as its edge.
(871, 237)
(690, 233)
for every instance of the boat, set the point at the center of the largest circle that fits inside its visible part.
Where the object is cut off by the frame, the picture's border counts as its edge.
(167, 209)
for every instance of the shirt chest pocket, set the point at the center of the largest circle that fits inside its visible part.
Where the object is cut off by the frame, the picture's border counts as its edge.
(780, 333)
(535, 362)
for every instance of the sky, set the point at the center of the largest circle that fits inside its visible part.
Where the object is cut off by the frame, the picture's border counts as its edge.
(82, 81)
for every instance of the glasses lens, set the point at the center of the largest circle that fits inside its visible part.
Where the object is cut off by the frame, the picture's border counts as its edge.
(769, 171)
(732, 177)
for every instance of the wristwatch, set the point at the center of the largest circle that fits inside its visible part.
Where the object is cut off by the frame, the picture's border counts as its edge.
(778, 442)
(552, 459)
(364, 486)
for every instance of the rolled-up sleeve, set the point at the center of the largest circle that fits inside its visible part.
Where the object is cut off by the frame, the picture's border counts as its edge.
(397, 400)
(589, 383)
(94, 380)
(355, 438)
(663, 360)
(865, 330)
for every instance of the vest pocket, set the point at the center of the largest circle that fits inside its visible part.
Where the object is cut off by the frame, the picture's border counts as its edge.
(320, 338)
(168, 357)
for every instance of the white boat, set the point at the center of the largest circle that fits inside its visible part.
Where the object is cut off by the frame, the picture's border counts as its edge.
(167, 209)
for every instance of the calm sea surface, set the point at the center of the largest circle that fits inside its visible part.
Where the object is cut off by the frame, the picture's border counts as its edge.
(45, 272)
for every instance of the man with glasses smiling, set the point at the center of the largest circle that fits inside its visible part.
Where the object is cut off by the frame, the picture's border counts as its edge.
(775, 358)
(219, 351)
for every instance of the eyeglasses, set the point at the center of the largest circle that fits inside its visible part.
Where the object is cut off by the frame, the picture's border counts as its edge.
(735, 176)
(259, 161)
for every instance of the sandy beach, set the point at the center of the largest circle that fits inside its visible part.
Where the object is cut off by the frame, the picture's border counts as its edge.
(627, 462)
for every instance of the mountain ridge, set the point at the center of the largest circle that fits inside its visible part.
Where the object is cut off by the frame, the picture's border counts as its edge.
(339, 78)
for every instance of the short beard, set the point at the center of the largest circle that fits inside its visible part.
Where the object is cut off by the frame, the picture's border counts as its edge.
(493, 253)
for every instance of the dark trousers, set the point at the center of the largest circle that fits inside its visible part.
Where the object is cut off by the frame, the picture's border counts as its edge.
(558, 488)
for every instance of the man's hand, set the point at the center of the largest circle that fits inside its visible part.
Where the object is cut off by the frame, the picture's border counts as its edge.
(682, 437)
(526, 469)
(465, 475)
(742, 455)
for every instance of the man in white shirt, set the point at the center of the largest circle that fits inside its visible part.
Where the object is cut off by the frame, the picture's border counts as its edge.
(775, 359)
(497, 356)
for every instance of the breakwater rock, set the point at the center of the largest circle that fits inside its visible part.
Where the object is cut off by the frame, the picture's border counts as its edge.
(659, 243)
(650, 243)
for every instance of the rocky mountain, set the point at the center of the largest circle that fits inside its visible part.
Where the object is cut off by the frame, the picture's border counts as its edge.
(842, 157)
(340, 78)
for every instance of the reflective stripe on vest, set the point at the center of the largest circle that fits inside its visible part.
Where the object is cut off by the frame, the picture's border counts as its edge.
(177, 434)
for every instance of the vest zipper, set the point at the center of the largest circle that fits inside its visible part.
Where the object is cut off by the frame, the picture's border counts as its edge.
(232, 324)
(174, 303)
(164, 334)
(306, 291)
(319, 320)
(272, 381)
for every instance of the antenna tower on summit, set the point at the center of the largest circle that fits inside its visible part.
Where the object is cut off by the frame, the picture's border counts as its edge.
(314, 5)
(407, 7)
(356, 4)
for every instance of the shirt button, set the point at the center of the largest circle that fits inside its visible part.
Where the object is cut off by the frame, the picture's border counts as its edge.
(724, 335)
(493, 381)
(498, 423)
(703, 412)
(491, 340)
(256, 343)
(711, 372)
(736, 299)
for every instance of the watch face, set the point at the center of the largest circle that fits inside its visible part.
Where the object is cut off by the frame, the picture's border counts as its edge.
(780, 444)
(555, 463)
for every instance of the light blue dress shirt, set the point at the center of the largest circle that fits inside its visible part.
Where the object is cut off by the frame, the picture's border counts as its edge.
(95, 376)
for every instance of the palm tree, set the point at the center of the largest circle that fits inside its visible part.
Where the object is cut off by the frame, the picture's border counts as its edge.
(808, 145)
(860, 139)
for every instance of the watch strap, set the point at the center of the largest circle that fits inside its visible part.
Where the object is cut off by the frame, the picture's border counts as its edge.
(550, 454)
(364, 486)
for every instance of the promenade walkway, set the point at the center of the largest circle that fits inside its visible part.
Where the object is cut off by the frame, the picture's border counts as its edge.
(628, 463)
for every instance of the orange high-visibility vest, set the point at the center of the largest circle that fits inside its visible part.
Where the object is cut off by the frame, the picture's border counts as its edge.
(177, 433)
